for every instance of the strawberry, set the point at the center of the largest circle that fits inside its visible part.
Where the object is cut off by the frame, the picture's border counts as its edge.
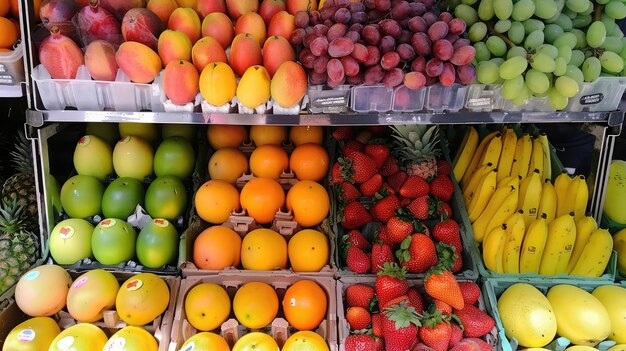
(414, 187)
(357, 261)
(444, 167)
(360, 295)
(371, 186)
(396, 180)
(417, 253)
(470, 292)
(481, 343)
(382, 235)
(444, 210)
(355, 238)
(448, 257)
(424, 207)
(377, 325)
(399, 227)
(379, 344)
(391, 283)
(466, 345)
(348, 192)
(390, 167)
(378, 152)
(357, 167)
(435, 331)
(358, 318)
(359, 342)
(385, 206)
(415, 299)
(364, 136)
(457, 334)
(442, 285)
(400, 327)
(342, 133)
(381, 253)
(442, 307)
(352, 145)
(336, 173)
(449, 232)
(442, 188)
(386, 187)
(355, 215)
(394, 301)
(379, 130)
(476, 322)
(421, 347)
(405, 201)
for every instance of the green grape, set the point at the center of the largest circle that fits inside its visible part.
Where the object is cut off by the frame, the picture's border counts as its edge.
(582, 21)
(560, 5)
(564, 22)
(533, 40)
(581, 40)
(552, 32)
(566, 86)
(466, 13)
(609, 23)
(545, 8)
(513, 67)
(502, 26)
(503, 8)
(523, 10)
(497, 60)
(531, 25)
(516, 32)
(523, 96)
(596, 34)
(577, 5)
(569, 13)
(567, 39)
(575, 73)
(487, 72)
(512, 87)
(591, 69)
(516, 51)
(616, 32)
(589, 9)
(549, 50)
(622, 53)
(565, 53)
(611, 62)
(556, 100)
(602, 2)
(496, 46)
(467, 2)
(537, 81)
(577, 58)
(542, 62)
(482, 53)
(485, 10)
(477, 31)
(560, 66)
(612, 44)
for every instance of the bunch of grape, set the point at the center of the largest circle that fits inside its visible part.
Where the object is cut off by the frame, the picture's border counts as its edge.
(544, 47)
(383, 41)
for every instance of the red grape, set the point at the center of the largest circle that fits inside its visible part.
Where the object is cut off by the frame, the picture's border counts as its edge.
(354, 36)
(390, 27)
(375, 15)
(356, 7)
(405, 37)
(414, 80)
(419, 64)
(320, 29)
(438, 30)
(319, 46)
(360, 52)
(337, 30)
(297, 36)
(306, 58)
(401, 10)
(417, 25)
(387, 44)
(335, 83)
(309, 30)
(319, 65)
(371, 35)
(430, 80)
(434, 67)
(359, 17)
(340, 47)
(466, 74)
(445, 17)
(448, 75)
(452, 38)
(308, 39)
(334, 69)
(357, 27)
(370, 4)
(373, 56)
(314, 17)
(350, 66)
(390, 60)
(301, 19)
(442, 49)
(457, 26)
(317, 78)
(383, 5)
(342, 16)
(393, 77)
(373, 75)
(427, 3)
(406, 52)
(327, 12)
(463, 56)
(430, 18)
(328, 22)
(421, 44)
(461, 43)
(417, 9)
(338, 3)
(356, 80)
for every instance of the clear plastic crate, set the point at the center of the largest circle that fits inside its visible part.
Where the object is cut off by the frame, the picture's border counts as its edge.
(484, 97)
(408, 100)
(12, 72)
(326, 100)
(371, 98)
(440, 98)
(602, 95)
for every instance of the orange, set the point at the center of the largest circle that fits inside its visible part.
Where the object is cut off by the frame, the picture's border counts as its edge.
(305, 305)
(216, 248)
(309, 202)
(142, 298)
(269, 161)
(207, 306)
(305, 341)
(309, 162)
(15, 9)
(228, 164)
(5, 7)
(8, 33)
(308, 251)
(263, 250)
(255, 305)
(256, 341)
(215, 201)
(299, 135)
(262, 135)
(5, 50)
(262, 198)
(221, 136)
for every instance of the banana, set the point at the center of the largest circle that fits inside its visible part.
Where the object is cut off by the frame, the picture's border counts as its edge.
(548, 201)
(471, 186)
(465, 153)
(576, 198)
(482, 195)
(530, 196)
(558, 250)
(536, 159)
(523, 152)
(508, 181)
(515, 229)
(493, 248)
(561, 184)
(595, 255)
(547, 162)
(533, 246)
(493, 151)
(474, 163)
(584, 227)
(505, 163)
(507, 208)
(479, 226)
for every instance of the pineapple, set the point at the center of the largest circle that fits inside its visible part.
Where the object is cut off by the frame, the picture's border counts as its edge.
(21, 186)
(418, 149)
(18, 247)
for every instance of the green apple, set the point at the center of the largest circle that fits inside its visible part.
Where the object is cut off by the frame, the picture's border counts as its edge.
(81, 196)
(113, 241)
(93, 157)
(157, 243)
(70, 241)
(166, 198)
(121, 197)
(174, 157)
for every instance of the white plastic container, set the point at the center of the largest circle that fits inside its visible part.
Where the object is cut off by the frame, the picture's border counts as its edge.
(326, 100)
(408, 100)
(440, 98)
(602, 95)
(12, 72)
(371, 98)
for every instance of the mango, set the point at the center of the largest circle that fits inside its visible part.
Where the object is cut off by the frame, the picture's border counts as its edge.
(205, 7)
(143, 26)
(100, 60)
(289, 84)
(245, 52)
(254, 87)
(187, 21)
(269, 8)
(218, 84)
(205, 51)
(295, 6)
(162, 8)
(91, 294)
(220, 27)
(276, 50)
(174, 45)
(140, 63)
(120, 7)
(282, 24)
(180, 82)
(192, 4)
(238, 8)
(251, 23)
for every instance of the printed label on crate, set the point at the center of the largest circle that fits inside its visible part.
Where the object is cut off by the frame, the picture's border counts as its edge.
(31, 275)
(592, 99)
(134, 284)
(116, 343)
(330, 101)
(108, 223)
(66, 232)
(7, 79)
(65, 343)
(163, 223)
(26, 335)
(80, 282)
(190, 347)
(480, 102)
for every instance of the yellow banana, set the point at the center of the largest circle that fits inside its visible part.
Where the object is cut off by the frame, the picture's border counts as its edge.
(505, 163)
(576, 198)
(596, 255)
(558, 250)
(493, 150)
(482, 194)
(533, 246)
(508, 181)
(465, 153)
(547, 162)
(584, 227)
(508, 207)
(479, 226)
(561, 184)
(529, 196)
(493, 248)
(548, 201)
(523, 152)
(474, 163)
(471, 186)
(536, 159)
(515, 229)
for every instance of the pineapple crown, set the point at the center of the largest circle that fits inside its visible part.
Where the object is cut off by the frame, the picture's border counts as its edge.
(403, 315)
(416, 142)
(22, 157)
(12, 216)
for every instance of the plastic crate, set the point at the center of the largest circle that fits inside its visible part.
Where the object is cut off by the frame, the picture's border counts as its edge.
(484, 97)
(12, 72)
(603, 94)
(408, 100)
(450, 99)
(231, 330)
(371, 98)
(323, 99)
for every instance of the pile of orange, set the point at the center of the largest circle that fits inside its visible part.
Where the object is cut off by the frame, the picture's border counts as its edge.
(9, 24)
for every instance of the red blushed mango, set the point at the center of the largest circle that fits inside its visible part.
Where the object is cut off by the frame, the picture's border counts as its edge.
(143, 26)
(187, 3)
(238, 8)
(269, 8)
(245, 52)
(289, 84)
(140, 63)
(174, 45)
(119, 8)
(293, 6)
(100, 60)
(187, 21)
(205, 51)
(180, 82)
(251, 23)
(205, 7)
(220, 27)
(282, 24)
(162, 8)
(276, 51)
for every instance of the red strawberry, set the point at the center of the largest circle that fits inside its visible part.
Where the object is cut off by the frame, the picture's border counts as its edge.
(391, 283)
(371, 186)
(415, 299)
(476, 322)
(357, 166)
(399, 228)
(481, 343)
(397, 179)
(377, 325)
(355, 215)
(442, 188)
(414, 187)
(444, 210)
(378, 152)
(443, 167)
(352, 145)
(359, 342)
(348, 192)
(336, 173)
(400, 327)
(442, 307)
(470, 292)
(424, 207)
(380, 130)
(360, 295)
(435, 331)
(364, 136)
(395, 301)
(383, 234)
(466, 345)
(357, 261)
(381, 253)
(405, 201)
(388, 188)
(417, 253)
(448, 257)
(390, 167)
(342, 133)
(358, 318)
(385, 207)
(355, 238)
(442, 285)
(449, 232)
(379, 344)
(421, 347)
(457, 334)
